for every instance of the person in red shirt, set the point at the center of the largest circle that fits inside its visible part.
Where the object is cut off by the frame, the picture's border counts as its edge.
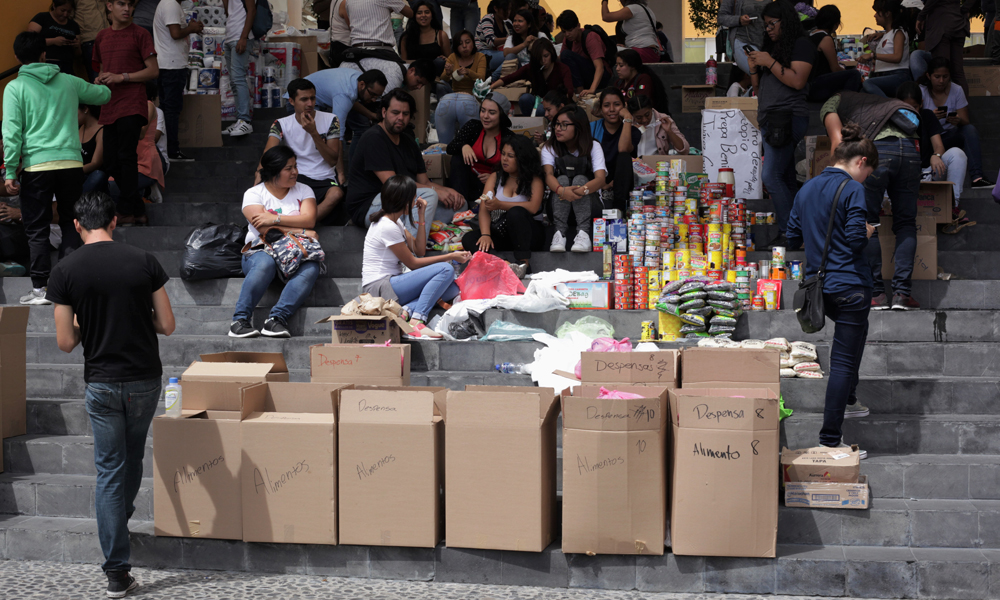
(584, 53)
(125, 59)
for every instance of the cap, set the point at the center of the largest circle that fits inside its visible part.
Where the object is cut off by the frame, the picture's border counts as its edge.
(173, 380)
(913, 4)
(504, 105)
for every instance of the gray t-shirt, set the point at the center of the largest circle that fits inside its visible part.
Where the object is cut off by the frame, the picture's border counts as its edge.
(774, 95)
(142, 14)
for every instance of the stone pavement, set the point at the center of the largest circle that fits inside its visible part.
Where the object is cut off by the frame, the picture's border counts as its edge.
(57, 581)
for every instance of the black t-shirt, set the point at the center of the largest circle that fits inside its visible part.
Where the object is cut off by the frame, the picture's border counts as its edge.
(929, 127)
(110, 287)
(774, 95)
(376, 152)
(61, 55)
(609, 143)
(821, 66)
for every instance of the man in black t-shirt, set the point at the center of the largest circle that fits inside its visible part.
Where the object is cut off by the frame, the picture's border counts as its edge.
(116, 313)
(390, 149)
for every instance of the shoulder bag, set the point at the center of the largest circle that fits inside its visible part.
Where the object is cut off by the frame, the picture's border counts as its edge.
(808, 301)
(291, 250)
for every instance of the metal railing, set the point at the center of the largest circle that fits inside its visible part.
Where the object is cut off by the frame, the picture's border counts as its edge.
(9, 72)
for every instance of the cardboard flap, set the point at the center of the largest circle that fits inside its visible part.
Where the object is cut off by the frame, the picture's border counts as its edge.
(593, 414)
(490, 409)
(226, 371)
(290, 418)
(319, 398)
(14, 319)
(384, 406)
(403, 325)
(547, 396)
(252, 399)
(755, 412)
(708, 365)
(232, 356)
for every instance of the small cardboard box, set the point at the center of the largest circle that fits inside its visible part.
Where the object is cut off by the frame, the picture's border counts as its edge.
(500, 468)
(821, 464)
(660, 368)
(279, 370)
(438, 165)
(818, 154)
(821, 494)
(289, 469)
(366, 329)
(747, 105)
(526, 125)
(218, 385)
(588, 295)
(731, 367)
(391, 467)
(724, 497)
(983, 81)
(935, 200)
(614, 472)
(695, 163)
(200, 124)
(196, 470)
(353, 363)
(693, 97)
(13, 371)
(925, 256)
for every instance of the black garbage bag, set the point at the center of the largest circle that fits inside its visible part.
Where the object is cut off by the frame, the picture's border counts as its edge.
(213, 252)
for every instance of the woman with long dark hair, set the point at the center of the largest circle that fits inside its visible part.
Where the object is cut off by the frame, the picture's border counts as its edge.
(425, 39)
(61, 33)
(463, 68)
(507, 220)
(389, 246)
(475, 149)
(890, 50)
(525, 32)
(545, 72)
(635, 79)
(92, 148)
(847, 286)
(828, 76)
(637, 23)
(619, 140)
(779, 73)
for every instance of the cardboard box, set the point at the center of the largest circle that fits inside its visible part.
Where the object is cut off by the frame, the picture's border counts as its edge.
(731, 367)
(587, 294)
(200, 124)
(512, 93)
(13, 371)
(695, 163)
(351, 363)
(526, 125)
(289, 469)
(747, 105)
(925, 257)
(500, 468)
(935, 200)
(438, 165)
(218, 385)
(983, 81)
(614, 472)
(391, 459)
(196, 470)
(631, 368)
(821, 464)
(724, 497)
(693, 97)
(816, 494)
(365, 329)
(818, 154)
(419, 120)
(279, 370)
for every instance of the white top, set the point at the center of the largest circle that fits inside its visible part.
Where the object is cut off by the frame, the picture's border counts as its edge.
(378, 260)
(291, 204)
(956, 101)
(647, 143)
(161, 145)
(170, 53)
(499, 195)
(596, 157)
(524, 56)
(308, 159)
(886, 45)
(236, 20)
(371, 21)
(339, 31)
(639, 32)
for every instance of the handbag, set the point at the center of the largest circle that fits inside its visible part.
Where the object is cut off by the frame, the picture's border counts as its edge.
(808, 300)
(290, 250)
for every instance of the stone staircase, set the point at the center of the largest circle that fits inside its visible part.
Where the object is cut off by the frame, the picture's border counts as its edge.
(931, 378)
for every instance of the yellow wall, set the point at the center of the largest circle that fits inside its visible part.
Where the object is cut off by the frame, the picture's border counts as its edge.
(16, 15)
(589, 12)
(855, 15)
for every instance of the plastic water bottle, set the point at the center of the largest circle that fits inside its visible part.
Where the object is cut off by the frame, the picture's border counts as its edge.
(511, 368)
(172, 394)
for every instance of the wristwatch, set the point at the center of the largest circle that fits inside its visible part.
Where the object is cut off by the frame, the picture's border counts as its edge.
(938, 155)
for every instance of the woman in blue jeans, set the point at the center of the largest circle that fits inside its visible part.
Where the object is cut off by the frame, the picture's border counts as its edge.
(278, 202)
(847, 282)
(389, 247)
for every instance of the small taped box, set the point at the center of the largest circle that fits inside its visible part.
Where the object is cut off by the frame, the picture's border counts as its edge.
(816, 494)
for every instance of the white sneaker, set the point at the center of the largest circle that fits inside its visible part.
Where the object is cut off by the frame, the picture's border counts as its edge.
(558, 242)
(36, 297)
(240, 128)
(229, 129)
(581, 243)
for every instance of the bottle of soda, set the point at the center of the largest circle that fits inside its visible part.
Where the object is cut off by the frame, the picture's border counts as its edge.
(711, 73)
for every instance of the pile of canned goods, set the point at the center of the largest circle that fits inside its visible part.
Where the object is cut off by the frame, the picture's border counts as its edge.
(624, 282)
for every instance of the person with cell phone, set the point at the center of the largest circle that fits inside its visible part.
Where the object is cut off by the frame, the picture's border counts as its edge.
(61, 33)
(742, 20)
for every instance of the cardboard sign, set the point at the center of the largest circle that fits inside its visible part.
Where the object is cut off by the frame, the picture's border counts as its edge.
(693, 97)
(730, 140)
(818, 154)
(816, 494)
(747, 105)
(353, 363)
(218, 385)
(200, 124)
(645, 368)
(279, 369)
(822, 464)
(731, 367)
(925, 256)
(13, 371)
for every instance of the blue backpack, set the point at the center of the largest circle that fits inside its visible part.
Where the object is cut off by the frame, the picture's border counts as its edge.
(263, 20)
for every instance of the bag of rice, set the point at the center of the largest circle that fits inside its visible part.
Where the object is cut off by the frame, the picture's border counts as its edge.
(691, 319)
(692, 328)
(695, 295)
(694, 286)
(691, 304)
(724, 304)
(809, 374)
(723, 319)
(721, 328)
(720, 295)
(807, 366)
(779, 343)
(753, 344)
(705, 311)
(788, 373)
(719, 286)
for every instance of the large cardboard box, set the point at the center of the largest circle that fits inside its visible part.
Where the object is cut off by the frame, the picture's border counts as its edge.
(821, 494)
(614, 472)
(218, 385)
(500, 468)
(438, 165)
(925, 256)
(821, 464)
(724, 492)
(13, 371)
(819, 155)
(695, 163)
(693, 97)
(660, 368)
(934, 201)
(512, 93)
(354, 363)
(747, 105)
(279, 370)
(200, 124)
(983, 81)
(196, 470)
(364, 329)
(289, 469)
(391, 467)
(731, 367)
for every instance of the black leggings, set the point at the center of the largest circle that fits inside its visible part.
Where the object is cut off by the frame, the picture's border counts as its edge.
(621, 175)
(121, 161)
(519, 231)
(464, 180)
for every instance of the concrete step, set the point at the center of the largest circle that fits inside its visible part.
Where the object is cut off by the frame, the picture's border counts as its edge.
(57, 454)
(208, 169)
(228, 152)
(910, 395)
(933, 476)
(853, 571)
(62, 496)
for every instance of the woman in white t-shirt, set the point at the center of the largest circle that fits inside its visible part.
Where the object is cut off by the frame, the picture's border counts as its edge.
(637, 25)
(278, 202)
(389, 246)
(890, 51)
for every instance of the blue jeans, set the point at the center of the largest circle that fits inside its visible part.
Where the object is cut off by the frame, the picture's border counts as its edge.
(582, 68)
(465, 18)
(431, 212)
(120, 414)
(918, 63)
(849, 309)
(740, 57)
(454, 111)
(96, 180)
(966, 137)
(885, 85)
(496, 59)
(419, 290)
(527, 104)
(238, 64)
(779, 170)
(956, 162)
(898, 173)
(260, 270)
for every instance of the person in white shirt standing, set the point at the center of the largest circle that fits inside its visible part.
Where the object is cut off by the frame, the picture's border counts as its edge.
(371, 29)
(314, 136)
(170, 35)
(239, 46)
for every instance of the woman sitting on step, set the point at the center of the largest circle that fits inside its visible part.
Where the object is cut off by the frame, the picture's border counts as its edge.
(277, 202)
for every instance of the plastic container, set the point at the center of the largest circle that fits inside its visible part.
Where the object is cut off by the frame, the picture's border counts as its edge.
(511, 368)
(173, 399)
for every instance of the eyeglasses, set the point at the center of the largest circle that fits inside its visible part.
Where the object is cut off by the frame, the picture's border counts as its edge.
(563, 125)
(771, 24)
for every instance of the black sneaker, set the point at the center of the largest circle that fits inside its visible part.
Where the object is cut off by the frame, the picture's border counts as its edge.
(180, 157)
(981, 183)
(904, 302)
(275, 327)
(120, 585)
(242, 329)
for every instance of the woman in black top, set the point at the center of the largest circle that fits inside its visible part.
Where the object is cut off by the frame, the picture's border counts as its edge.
(618, 149)
(61, 33)
(828, 76)
(425, 39)
(475, 151)
(92, 148)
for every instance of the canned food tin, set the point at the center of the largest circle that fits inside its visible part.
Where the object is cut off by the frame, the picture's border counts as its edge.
(770, 218)
(778, 254)
(648, 331)
(796, 269)
(764, 269)
(758, 302)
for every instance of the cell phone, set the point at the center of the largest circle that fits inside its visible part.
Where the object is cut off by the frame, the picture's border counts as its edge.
(953, 113)
(942, 108)
(876, 224)
(748, 48)
(753, 18)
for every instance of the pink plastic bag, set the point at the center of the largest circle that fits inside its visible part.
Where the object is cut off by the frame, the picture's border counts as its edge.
(604, 344)
(607, 394)
(487, 277)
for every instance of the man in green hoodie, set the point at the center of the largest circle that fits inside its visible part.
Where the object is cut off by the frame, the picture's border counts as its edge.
(40, 134)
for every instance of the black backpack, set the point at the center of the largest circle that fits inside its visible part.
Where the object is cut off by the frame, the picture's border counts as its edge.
(610, 47)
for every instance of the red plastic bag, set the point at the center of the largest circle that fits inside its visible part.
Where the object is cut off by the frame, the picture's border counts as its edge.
(487, 277)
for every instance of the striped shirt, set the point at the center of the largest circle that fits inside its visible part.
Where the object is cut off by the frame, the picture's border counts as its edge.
(486, 32)
(371, 21)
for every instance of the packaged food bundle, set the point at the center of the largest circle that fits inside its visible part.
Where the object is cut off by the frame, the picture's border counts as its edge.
(465, 215)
